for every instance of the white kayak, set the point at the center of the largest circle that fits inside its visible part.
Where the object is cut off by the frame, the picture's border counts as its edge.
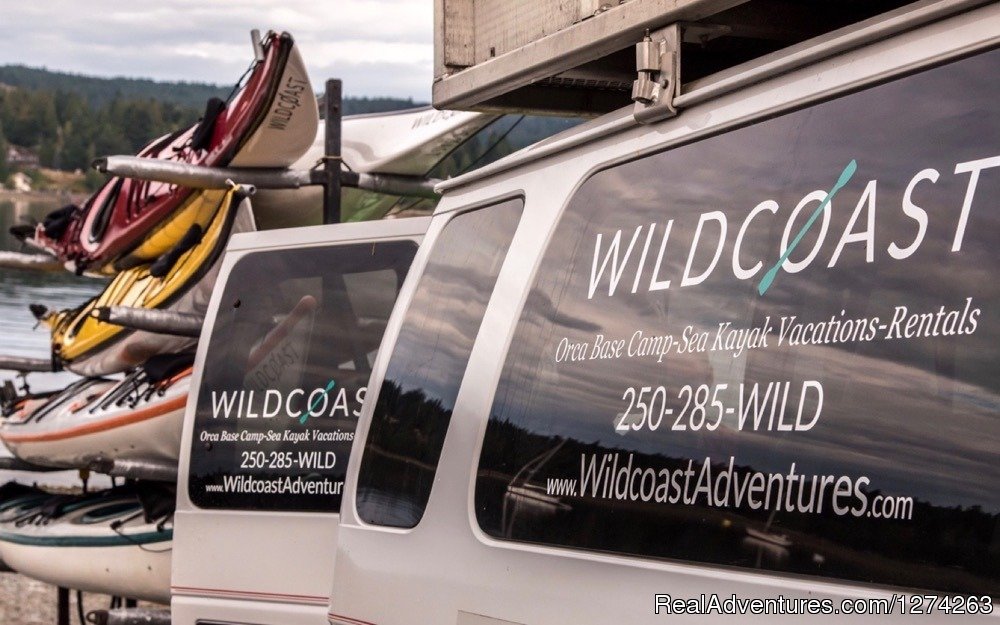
(289, 124)
(137, 418)
(20, 406)
(15, 500)
(83, 389)
(408, 142)
(107, 542)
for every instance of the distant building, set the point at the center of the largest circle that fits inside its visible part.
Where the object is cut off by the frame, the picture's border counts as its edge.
(19, 182)
(21, 157)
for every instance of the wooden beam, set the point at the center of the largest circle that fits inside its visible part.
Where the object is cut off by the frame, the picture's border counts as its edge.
(615, 29)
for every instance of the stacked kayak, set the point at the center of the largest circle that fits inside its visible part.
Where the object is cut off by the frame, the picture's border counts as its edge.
(162, 246)
(411, 142)
(115, 541)
(137, 418)
(72, 395)
(181, 281)
(269, 121)
(19, 405)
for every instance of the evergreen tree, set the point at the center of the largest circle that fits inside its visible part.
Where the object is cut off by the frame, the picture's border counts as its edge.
(69, 120)
(4, 170)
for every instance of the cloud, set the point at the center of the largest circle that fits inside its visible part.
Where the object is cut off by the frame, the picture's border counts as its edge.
(379, 48)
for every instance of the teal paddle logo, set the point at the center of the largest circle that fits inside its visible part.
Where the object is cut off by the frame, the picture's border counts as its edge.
(315, 402)
(845, 177)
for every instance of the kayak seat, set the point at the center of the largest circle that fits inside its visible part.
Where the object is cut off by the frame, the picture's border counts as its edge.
(22, 231)
(110, 511)
(56, 222)
(201, 139)
(103, 216)
(165, 366)
(158, 500)
(165, 263)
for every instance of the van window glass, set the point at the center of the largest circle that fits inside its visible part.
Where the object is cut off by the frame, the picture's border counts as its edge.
(427, 365)
(667, 395)
(288, 361)
(506, 135)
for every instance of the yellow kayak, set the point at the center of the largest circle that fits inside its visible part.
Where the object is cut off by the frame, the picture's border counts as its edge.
(181, 279)
(199, 209)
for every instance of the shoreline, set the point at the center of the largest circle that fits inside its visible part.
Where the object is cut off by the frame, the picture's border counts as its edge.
(7, 195)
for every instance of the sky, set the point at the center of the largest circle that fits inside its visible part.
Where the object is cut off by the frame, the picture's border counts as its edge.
(378, 47)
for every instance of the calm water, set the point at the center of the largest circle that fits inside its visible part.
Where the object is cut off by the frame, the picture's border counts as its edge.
(18, 334)
(18, 288)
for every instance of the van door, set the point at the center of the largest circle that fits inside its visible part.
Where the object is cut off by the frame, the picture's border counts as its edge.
(280, 376)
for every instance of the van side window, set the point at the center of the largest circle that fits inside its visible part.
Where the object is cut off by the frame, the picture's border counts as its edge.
(775, 348)
(288, 362)
(427, 365)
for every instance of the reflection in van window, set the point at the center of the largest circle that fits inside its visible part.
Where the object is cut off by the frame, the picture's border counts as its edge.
(427, 365)
(288, 362)
(506, 135)
(500, 138)
(845, 423)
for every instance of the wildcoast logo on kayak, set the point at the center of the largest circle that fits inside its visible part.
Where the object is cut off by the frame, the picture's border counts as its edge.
(298, 403)
(285, 102)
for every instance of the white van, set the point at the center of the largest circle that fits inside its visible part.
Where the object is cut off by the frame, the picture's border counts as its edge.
(280, 376)
(743, 360)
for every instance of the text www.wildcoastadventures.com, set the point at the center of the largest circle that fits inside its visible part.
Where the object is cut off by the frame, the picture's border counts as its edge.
(248, 484)
(605, 476)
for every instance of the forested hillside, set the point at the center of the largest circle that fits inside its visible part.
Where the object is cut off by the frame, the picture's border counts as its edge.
(100, 91)
(66, 132)
(68, 120)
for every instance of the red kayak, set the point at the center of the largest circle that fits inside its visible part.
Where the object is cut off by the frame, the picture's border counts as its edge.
(269, 121)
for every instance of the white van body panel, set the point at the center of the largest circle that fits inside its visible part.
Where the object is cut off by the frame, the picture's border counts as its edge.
(235, 566)
(446, 570)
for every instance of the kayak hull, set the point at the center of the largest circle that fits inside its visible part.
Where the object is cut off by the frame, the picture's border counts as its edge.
(290, 124)
(125, 571)
(409, 142)
(101, 542)
(105, 429)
